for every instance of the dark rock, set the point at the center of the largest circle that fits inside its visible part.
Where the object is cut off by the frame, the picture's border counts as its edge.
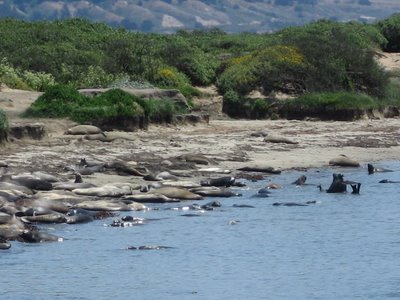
(34, 131)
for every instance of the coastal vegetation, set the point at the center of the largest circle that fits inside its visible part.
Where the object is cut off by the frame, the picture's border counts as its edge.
(323, 60)
(3, 126)
(63, 101)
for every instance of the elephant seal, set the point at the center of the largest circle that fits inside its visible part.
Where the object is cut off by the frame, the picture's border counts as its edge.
(260, 133)
(339, 185)
(388, 181)
(77, 184)
(4, 185)
(301, 180)
(372, 170)
(11, 226)
(343, 161)
(215, 192)
(28, 181)
(160, 177)
(226, 181)
(243, 206)
(150, 197)
(36, 236)
(261, 169)
(108, 190)
(279, 139)
(45, 176)
(215, 170)
(77, 215)
(127, 221)
(262, 193)
(51, 218)
(273, 186)
(83, 129)
(177, 193)
(107, 205)
(148, 247)
(196, 158)
(102, 137)
(125, 169)
(4, 245)
(293, 203)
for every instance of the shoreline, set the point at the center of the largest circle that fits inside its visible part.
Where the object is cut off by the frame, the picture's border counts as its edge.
(228, 143)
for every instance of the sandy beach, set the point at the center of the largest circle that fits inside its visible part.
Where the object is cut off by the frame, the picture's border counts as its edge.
(229, 144)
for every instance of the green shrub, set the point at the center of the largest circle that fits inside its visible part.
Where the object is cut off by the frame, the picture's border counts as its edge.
(64, 101)
(240, 77)
(57, 102)
(390, 28)
(169, 77)
(96, 77)
(9, 75)
(341, 105)
(3, 126)
(38, 81)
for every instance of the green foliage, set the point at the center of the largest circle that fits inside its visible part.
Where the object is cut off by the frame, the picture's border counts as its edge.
(240, 77)
(198, 66)
(3, 126)
(332, 101)
(337, 57)
(66, 102)
(323, 56)
(390, 28)
(339, 105)
(24, 80)
(169, 77)
(58, 101)
(9, 75)
(38, 81)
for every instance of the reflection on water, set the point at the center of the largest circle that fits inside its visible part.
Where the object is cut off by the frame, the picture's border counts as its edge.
(343, 247)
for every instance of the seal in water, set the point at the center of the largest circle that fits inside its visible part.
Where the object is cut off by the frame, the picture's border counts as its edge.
(339, 185)
(372, 169)
(148, 247)
(301, 180)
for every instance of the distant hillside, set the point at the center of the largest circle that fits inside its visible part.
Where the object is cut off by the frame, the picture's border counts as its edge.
(166, 16)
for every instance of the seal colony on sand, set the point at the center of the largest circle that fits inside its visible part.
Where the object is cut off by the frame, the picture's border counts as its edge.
(71, 179)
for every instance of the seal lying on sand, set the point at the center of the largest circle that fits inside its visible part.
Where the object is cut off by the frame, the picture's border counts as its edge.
(343, 161)
(83, 129)
(263, 169)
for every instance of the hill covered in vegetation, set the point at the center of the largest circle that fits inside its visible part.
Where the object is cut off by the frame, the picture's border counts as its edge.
(167, 16)
(321, 57)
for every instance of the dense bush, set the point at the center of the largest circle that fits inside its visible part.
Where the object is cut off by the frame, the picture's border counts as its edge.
(25, 80)
(58, 101)
(323, 56)
(66, 102)
(390, 28)
(328, 105)
(3, 126)
(337, 57)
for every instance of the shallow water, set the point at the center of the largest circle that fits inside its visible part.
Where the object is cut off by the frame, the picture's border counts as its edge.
(344, 247)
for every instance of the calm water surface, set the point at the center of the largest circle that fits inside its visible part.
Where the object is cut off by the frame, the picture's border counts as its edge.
(344, 247)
